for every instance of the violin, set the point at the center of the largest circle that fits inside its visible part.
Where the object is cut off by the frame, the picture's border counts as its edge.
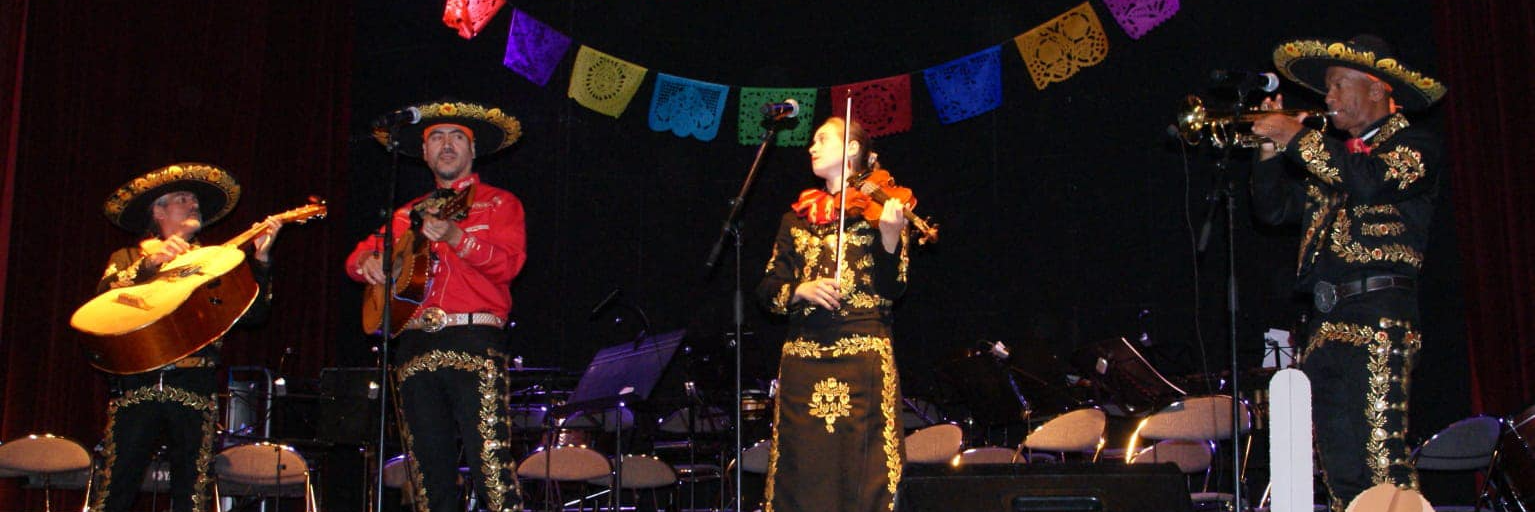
(869, 191)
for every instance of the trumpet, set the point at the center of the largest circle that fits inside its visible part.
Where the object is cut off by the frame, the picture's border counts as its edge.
(1231, 127)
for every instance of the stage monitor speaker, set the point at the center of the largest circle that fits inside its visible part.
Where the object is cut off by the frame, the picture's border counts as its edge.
(1062, 487)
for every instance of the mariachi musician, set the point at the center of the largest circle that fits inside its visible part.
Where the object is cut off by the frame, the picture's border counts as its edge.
(174, 404)
(837, 439)
(450, 359)
(1366, 203)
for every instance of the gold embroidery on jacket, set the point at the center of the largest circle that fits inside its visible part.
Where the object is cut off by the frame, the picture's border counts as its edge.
(772, 261)
(781, 301)
(1355, 252)
(1318, 222)
(1403, 165)
(1375, 209)
(1395, 124)
(1316, 156)
(1382, 229)
(809, 246)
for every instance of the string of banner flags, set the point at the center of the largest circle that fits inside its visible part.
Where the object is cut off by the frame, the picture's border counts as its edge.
(960, 89)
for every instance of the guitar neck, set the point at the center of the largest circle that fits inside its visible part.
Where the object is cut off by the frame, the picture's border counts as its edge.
(301, 215)
(245, 238)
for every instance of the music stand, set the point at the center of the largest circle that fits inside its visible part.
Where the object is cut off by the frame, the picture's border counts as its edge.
(619, 375)
(1125, 376)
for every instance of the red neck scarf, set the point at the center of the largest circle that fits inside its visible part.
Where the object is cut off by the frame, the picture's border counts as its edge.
(817, 206)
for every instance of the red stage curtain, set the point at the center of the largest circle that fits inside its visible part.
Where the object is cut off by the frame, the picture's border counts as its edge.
(1486, 48)
(113, 89)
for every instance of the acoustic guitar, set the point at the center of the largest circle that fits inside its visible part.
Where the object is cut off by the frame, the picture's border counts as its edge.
(190, 302)
(412, 267)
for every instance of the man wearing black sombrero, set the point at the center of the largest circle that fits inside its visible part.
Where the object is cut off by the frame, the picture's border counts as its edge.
(451, 354)
(1365, 202)
(173, 405)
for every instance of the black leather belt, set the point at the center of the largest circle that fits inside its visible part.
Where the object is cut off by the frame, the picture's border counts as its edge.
(1326, 295)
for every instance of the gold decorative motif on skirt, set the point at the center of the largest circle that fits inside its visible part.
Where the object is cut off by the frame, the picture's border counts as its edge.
(890, 390)
(889, 397)
(830, 401)
(850, 345)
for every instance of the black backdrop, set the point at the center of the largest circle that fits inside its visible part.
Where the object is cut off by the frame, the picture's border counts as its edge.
(1068, 215)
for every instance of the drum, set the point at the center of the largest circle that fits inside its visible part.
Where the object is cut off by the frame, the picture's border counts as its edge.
(566, 437)
(756, 405)
(1513, 463)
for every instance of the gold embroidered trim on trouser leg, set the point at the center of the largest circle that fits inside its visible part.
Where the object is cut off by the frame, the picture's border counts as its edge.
(1386, 395)
(158, 393)
(496, 484)
(1387, 401)
(204, 461)
(418, 503)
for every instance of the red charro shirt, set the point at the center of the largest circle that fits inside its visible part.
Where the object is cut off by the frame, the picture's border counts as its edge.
(476, 275)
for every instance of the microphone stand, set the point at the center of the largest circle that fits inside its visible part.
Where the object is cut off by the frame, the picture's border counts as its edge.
(384, 325)
(1222, 166)
(732, 228)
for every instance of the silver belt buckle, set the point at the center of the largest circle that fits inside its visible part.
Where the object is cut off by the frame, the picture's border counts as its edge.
(433, 319)
(1324, 296)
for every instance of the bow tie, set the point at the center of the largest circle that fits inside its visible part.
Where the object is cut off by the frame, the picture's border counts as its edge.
(1357, 145)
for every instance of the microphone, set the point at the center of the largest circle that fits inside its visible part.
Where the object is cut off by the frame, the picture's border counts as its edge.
(606, 301)
(786, 109)
(404, 116)
(1245, 80)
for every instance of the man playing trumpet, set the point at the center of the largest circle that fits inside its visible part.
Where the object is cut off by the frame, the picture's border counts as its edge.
(1366, 204)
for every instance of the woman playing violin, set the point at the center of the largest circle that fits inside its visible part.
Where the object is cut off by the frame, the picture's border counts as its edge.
(836, 437)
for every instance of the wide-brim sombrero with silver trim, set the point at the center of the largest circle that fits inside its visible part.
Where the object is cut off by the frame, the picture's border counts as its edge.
(1306, 61)
(216, 190)
(494, 130)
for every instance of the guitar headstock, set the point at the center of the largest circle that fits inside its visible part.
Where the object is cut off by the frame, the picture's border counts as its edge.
(316, 209)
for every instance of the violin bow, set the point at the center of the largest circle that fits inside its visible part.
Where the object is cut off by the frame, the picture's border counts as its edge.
(847, 130)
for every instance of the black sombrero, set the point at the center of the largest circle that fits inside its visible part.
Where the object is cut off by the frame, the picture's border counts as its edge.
(1306, 61)
(493, 129)
(216, 191)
